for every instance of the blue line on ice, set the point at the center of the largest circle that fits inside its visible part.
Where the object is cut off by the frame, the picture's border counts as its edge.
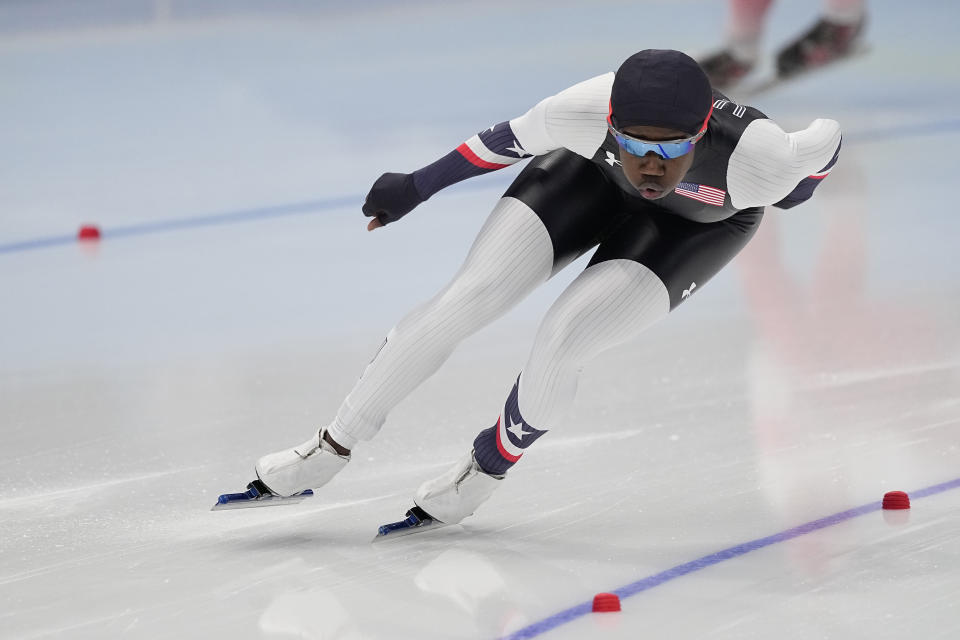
(632, 589)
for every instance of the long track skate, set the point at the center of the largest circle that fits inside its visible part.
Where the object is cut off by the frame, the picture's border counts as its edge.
(257, 495)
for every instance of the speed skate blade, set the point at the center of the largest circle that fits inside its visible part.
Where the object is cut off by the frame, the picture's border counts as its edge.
(257, 495)
(417, 521)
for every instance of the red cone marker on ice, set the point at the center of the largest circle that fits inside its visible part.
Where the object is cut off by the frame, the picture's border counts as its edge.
(606, 602)
(88, 232)
(896, 500)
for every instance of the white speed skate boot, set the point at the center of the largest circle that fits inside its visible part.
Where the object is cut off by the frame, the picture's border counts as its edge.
(308, 466)
(458, 492)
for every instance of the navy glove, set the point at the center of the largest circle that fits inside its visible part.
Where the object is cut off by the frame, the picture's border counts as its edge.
(391, 197)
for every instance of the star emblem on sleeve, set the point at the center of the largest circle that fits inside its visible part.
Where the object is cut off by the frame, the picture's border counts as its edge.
(517, 149)
(516, 428)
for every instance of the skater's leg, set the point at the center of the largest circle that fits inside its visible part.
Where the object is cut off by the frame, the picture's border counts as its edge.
(650, 265)
(555, 210)
(606, 304)
(511, 256)
(745, 27)
(537, 228)
(653, 263)
(609, 303)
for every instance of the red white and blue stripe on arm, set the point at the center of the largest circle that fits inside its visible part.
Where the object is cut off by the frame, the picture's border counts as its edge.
(805, 189)
(489, 150)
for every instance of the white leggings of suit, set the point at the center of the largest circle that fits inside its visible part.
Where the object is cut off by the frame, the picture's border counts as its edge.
(609, 303)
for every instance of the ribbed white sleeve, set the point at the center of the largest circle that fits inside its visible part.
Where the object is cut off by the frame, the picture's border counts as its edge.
(574, 119)
(769, 163)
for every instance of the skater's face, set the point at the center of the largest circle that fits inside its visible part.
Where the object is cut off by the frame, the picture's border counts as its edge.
(653, 175)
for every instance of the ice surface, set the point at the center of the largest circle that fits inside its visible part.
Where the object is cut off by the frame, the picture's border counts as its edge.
(143, 376)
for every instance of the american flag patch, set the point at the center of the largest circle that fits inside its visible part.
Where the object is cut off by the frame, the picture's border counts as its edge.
(703, 193)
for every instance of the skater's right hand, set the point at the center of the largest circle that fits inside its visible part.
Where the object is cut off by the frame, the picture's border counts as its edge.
(391, 197)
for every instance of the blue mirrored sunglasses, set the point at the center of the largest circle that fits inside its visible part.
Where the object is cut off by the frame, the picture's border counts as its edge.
(664, 149)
